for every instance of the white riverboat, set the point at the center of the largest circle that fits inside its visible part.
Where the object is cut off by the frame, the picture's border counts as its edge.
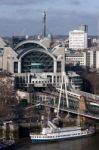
(53, 133)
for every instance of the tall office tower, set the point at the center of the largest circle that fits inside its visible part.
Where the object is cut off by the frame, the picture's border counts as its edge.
(44, 25)
(84, 28)
(78, 39)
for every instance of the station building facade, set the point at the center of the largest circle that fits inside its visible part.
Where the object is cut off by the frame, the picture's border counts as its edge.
(32, 64)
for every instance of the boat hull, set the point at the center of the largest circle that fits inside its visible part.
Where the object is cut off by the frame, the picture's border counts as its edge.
(40, 140)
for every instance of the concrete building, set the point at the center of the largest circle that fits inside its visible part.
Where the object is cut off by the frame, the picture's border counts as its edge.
(83, 27)
(78, 39)
(75, 57)
(76, 82)
(32, 63)
(88, 58)
(92, 58)
(46, 42)
(97, 59)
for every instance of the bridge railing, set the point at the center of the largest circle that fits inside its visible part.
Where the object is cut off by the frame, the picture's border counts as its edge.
(88, 95)
(74, 111)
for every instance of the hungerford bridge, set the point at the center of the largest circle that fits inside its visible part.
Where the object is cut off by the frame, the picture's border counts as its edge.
(75, 102)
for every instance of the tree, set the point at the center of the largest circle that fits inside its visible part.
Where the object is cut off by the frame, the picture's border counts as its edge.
(7, 95)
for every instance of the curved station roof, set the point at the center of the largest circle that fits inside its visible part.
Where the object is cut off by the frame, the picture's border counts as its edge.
(30, 52)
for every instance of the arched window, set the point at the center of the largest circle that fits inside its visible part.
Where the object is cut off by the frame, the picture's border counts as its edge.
(27, 46)
(37, 61)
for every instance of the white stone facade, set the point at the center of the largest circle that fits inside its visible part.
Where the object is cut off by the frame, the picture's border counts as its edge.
(78, 39)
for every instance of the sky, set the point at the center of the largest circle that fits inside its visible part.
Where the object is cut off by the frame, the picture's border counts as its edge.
(24, 17)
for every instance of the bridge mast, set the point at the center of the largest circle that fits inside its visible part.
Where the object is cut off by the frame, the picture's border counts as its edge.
(64, 81)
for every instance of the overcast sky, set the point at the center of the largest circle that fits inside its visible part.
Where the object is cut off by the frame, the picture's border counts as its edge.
(21, 17)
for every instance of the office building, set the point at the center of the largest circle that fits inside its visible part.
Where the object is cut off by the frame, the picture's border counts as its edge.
(78, 39)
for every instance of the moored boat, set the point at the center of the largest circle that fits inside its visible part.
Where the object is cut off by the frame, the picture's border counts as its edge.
(53, 133)
(7, 145)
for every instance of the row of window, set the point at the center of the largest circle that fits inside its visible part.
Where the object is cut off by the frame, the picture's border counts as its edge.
(59, 135)
(40, 81)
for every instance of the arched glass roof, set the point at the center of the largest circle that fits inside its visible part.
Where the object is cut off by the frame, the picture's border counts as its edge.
(27, 45)
(33, 52)
(37, 57)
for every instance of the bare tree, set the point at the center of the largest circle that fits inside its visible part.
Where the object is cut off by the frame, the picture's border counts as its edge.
(7, 94)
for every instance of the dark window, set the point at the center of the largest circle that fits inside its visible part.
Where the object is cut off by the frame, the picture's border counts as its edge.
(58, 66)
(15, 67)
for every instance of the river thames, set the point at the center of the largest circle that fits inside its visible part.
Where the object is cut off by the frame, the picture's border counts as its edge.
(89, 143)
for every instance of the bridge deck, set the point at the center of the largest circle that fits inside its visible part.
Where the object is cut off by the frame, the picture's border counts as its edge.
(50, 99)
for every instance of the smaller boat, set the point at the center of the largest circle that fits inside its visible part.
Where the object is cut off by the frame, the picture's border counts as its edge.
(53, 133)
(7, 145)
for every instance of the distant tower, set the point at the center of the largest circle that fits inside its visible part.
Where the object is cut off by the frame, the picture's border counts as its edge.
(84, 28)
(44, 24)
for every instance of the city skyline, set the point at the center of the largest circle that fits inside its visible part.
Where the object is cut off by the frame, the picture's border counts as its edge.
(25, 16)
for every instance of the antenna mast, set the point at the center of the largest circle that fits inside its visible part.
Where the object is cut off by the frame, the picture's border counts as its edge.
(44, 24)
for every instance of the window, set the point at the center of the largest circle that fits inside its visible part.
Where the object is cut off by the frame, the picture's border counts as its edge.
(15, 67)
(41, 60)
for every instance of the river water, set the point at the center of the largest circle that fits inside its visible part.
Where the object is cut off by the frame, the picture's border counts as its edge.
(88, 143)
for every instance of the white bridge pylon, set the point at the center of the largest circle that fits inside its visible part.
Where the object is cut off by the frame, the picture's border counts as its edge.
(64, 82)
